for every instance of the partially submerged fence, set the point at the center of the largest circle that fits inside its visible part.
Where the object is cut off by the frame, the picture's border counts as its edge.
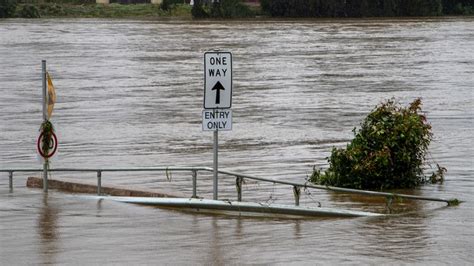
(239, 179)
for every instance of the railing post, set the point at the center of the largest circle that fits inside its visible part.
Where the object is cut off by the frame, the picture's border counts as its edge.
(99, 182)
(297, 192)
(194, 184)
(389, 204)
(238, 184)
(10, 180)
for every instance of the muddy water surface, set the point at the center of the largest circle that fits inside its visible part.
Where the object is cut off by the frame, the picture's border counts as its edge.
(130, 95)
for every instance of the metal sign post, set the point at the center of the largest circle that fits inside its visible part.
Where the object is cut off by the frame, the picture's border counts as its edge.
(45, 101)
(215, 165)
(217, 101)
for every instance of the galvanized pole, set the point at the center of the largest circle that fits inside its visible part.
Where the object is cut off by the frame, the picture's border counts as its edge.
(238, 184)
(10, 181)
(45, 164)
(216, 147)
(194, 184)
(99, 183)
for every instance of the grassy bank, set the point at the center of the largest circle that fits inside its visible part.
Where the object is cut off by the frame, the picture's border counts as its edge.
(101, 11)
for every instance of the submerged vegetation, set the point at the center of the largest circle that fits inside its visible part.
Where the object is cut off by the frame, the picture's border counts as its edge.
(47, 131)
(387, 152)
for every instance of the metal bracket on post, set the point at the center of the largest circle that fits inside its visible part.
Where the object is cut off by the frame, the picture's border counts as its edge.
(10, 181)
(99, 183)
(297, 193)
(194, 184)
(238, 184)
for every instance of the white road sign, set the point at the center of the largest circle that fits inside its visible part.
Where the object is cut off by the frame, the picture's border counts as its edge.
(217, 80)
(217, 120)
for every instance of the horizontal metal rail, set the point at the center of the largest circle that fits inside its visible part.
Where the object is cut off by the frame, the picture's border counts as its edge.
(338, 189)
(240, 177)
(145, 169)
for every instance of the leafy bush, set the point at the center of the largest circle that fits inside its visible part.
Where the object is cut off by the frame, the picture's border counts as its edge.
(7, 8)
(29, 11)
(387, 152)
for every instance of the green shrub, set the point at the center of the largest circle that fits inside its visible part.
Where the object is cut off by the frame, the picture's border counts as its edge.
(29, 11)
(51, 10)
(222, 9)
(7, 8)
(181, 11)
(166, 5)
(198, 10)
(216, 10)
(234, 9)
(386, 153)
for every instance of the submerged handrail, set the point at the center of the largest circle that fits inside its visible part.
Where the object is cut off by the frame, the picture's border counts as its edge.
(340, 189)
(239, 180)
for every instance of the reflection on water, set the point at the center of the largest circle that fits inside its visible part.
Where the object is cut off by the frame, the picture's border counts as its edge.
(47, 230)
(215, 256)
(393, 238)
(385, 205)
(130, 95)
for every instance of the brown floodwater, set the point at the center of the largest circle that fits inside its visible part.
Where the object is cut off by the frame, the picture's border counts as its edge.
(130, 94)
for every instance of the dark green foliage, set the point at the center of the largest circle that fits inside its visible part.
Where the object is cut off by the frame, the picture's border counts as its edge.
(420, 7)
(458, 7)
(47, 130)
(51, 9)
(7, 8)
(386, 153)
(198, 10)
(221, 9)
(454, 202)
(29, 11)
(166, 5)
(234, 9)
(265, 4)
(352, 8)
(216, 10)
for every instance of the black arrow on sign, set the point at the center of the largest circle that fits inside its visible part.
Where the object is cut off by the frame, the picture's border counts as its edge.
(218, 87)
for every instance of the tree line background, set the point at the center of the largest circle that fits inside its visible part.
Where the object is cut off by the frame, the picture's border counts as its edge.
(273, 8)
(366, 8)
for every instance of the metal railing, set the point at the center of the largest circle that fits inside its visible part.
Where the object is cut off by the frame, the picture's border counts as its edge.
(239, 181)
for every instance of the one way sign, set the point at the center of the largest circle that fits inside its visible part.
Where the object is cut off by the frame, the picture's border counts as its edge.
(217, 80)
